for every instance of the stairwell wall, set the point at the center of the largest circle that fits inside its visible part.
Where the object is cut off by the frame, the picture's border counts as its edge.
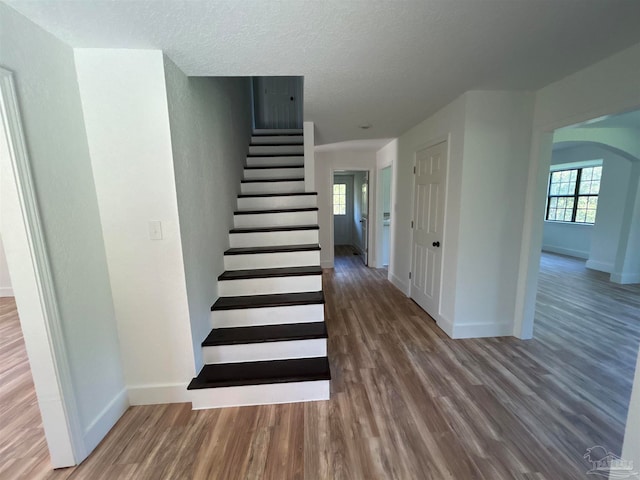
(210, 122)
(124, 102)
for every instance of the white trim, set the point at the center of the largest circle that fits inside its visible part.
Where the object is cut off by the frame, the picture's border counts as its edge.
(61, 416)
(606, 267)
(6, 292)
(399, 284)
(105, 421)
(576, 165)
(625, 278)
(481, 330)
(326, 264)
(309, 156)
(566, 251)
(158, 393)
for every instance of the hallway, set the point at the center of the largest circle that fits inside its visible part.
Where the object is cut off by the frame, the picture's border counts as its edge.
(409, 403)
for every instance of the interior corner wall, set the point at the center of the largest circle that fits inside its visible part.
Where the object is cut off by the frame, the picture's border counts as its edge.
(497, 143)
(325, 163)
(210, 121)
(124, 101)
(5, 281)
(45, 78)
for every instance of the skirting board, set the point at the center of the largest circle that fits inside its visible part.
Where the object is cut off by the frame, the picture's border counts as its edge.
(565, 251)
(399, 284)
(6, 292)
(482, 330)
(625, 278)
(600, 266)
(105, 421)
(157, 394)
(326, 263)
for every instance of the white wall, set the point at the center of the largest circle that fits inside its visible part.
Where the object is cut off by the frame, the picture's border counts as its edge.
(210, 122)
(5, 281)
(53, 122)
(124, 101)
(631, 445)
(325, 164)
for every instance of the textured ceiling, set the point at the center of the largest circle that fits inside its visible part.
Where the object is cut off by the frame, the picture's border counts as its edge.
(389, 63)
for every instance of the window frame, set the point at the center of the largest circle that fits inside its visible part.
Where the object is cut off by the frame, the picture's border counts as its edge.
(333, 199)
(576, 195)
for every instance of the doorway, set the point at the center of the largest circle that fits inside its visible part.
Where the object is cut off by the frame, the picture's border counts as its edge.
(350, 199)
(277, 102)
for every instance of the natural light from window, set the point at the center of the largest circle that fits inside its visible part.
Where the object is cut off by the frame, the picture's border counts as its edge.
(573, 195)
(339, 198)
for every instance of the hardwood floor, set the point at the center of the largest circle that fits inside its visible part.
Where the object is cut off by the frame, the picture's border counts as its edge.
(409, 403)
(23, 450)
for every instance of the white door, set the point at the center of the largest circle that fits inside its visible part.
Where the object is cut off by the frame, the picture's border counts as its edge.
(428, 223)
(278, 102)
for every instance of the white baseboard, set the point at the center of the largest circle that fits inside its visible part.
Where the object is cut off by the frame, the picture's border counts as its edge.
(399, 284)
(326, 263)
(6, 292)
(482, 330)
(565, 251)
(606, 267)
(105, 421)
(445, 325)
(625, 278)
(157, 394)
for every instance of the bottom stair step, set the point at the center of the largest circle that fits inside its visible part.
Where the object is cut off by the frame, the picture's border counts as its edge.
(259, 383)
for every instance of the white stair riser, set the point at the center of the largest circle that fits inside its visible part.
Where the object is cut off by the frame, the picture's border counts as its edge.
(293, 172)
(277, 131)
(260, 394)
(271, 260)
(249, 317)
(288, 201)
(276, 149)
(276, 219)
(275, 161)
(273, 187)
(272, 239)
(266, 286)
(277, 139)
(256, 352)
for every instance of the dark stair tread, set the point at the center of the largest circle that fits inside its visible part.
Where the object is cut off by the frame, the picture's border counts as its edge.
(253, 155)
(271, 273)
(284, 194)
(273, 300)
(281, 228)
(271, 167)
(300, 144)
(273, 249)
(260, 373)
(271, 180)
(299, 132)
(265, 333)
(276, 210)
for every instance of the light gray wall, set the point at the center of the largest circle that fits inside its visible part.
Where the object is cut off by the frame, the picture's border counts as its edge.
(46, 84)
(210, 121)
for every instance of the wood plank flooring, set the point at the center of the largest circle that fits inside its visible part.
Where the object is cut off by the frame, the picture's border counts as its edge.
(407, 402)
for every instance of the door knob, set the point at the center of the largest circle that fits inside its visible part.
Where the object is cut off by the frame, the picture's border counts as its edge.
(436, 244)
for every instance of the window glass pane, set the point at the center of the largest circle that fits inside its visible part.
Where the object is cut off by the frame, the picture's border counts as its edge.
(556, 177)
(587, 174)
(591, 216)
(569, 202)
(597, 173)
(562, 202)
(581, 216)
(564, 189)
(552, 214)
(574, 175)
(336, 189)
(554, 189)
(593, 203)
(582, 203)
(566, 176)
(339, 199)
(553, 203)
(343, 189)
(595, 187)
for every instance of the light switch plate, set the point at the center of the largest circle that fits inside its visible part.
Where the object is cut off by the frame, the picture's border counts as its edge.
(155, 230)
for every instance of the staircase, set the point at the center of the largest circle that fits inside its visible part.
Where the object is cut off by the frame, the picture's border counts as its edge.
(269, 340)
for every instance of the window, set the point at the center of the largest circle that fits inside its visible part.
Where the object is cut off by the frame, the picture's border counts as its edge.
(573, 195)
(339, 198)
